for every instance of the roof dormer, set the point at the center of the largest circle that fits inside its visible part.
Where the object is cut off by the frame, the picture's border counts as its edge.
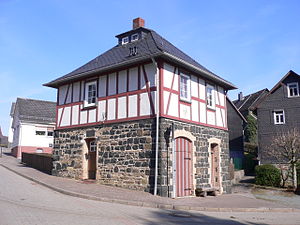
(138, 32)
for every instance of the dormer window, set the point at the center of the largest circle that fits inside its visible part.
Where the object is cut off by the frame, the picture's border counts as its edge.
(293, 89)
(125, 40)
(134, 37)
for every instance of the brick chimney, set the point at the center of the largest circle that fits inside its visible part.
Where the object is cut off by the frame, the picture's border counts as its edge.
(138, 22)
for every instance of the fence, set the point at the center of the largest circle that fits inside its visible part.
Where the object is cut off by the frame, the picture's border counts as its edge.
(39, 161)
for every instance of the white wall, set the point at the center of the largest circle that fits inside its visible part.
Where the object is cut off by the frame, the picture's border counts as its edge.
(28, 135)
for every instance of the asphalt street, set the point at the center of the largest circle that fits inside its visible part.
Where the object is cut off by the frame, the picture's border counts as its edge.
(23, 202)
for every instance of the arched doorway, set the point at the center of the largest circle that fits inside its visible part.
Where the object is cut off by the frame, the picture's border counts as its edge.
(215, 166)
(184, 174)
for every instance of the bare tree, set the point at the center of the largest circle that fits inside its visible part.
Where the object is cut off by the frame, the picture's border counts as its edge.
(285, 148)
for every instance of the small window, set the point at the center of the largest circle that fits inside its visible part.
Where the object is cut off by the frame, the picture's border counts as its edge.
(50, 133)
(185, 87)
(210, 97)
(40, 133)
(293, 89)
(125, 40)
(90, 94)
(93, 146)
(134, 37)
(133, 51)
(279, 117)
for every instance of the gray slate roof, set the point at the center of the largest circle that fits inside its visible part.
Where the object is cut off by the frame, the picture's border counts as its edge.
(250, 101)
(151, 45)
(36, 111)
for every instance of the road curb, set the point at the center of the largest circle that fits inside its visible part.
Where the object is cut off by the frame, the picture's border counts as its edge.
(150, 205)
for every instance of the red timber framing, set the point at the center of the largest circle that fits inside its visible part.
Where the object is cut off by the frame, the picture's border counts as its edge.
(138, 95)
(175, 92)
(196, 109)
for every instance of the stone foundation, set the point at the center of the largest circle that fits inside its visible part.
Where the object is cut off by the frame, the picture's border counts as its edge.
(126, 154)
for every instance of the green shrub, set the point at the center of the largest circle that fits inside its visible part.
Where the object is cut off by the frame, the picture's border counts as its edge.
(267, 175)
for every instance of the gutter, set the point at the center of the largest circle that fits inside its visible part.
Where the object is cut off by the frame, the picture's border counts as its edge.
(54, 83)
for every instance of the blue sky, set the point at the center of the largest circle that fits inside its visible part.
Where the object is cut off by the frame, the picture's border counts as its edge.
(250, 43)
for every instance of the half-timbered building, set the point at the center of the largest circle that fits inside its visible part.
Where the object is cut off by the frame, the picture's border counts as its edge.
(143, 115)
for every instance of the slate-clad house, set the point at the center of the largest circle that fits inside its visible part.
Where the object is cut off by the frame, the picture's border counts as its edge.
(236, 124)
(33, 123)
(247, 104)
(143, 115)
(279, 111)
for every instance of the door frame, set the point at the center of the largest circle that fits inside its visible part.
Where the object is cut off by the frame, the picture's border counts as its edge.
(192, 139)
(216, 141)
(85, 158)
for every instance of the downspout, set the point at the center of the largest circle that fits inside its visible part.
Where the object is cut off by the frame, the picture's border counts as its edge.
(174, 161)
(157, 126)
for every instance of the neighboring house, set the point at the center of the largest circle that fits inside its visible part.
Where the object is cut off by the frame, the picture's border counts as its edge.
(3, 139)
(236, 124)
(247, 104)
(116, 114)
(33, 125)
(279, 111)
(10, 129)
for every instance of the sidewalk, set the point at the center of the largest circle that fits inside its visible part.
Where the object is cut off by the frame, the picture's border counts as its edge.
(237, 202)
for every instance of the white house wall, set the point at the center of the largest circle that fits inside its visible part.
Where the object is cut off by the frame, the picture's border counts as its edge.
(122, 95)
(195, 110)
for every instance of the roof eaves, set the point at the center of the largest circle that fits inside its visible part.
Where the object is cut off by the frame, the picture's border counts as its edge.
(54, 84)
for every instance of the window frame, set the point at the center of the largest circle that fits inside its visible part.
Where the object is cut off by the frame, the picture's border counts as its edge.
(289, 89)
(125, 40)
(93, 146)
(212, 100)
(134, 35)
(188, 87)
(276, 113)
(86, 94)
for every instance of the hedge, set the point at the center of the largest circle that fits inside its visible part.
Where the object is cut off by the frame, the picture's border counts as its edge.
(267, 175)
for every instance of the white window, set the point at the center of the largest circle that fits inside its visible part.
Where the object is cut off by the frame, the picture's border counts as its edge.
(210, 97)
(93, 146)
(90, 94)
(293, 89)
(125, 40)
(185, 87)
(134, 37)
(279, 117)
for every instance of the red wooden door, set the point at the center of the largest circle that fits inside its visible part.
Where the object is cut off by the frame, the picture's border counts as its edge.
(215, 166)
(184, 175)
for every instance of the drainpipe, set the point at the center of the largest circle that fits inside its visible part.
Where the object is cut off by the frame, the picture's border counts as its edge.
(174, 161)
(157, 126)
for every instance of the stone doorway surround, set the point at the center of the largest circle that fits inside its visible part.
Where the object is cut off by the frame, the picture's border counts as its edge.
(85, 158)
(188, 135)
(217, 144)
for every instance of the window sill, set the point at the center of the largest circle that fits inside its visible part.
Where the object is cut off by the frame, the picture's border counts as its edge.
(185, 100)
(88, 107)
(211, 108)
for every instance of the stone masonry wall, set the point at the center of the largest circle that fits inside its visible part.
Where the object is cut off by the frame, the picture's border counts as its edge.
(126, 154)
(201, 155)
